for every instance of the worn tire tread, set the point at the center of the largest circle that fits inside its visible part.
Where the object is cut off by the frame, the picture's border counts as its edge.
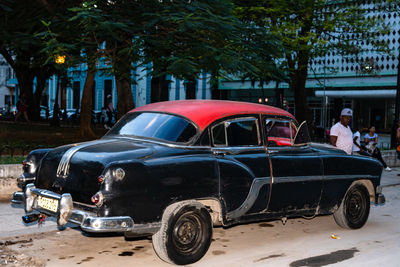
(160, 238)
(340, 215)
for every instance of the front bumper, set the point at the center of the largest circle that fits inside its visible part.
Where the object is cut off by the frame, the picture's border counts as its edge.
(87, 220)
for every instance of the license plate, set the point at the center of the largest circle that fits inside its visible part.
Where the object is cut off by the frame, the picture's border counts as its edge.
(48, 203)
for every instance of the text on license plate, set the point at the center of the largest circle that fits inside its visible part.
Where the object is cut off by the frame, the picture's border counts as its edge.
(48, 203)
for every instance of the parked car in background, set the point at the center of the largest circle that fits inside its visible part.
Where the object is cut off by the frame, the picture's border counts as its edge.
(8, 113)
(173, 170)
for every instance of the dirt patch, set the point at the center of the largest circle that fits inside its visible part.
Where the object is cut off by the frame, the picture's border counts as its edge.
(265, 225)
(86, 260)
(270, 257)
(322, 260)
(15, 241)
(218, 252)
(10, 257)
(126, 253)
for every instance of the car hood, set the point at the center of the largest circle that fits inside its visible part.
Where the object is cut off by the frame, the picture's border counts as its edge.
(75, 168)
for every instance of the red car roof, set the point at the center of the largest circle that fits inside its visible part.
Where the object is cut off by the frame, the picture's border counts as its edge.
(203, 112)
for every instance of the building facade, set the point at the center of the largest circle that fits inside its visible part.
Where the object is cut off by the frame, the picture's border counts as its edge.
(366, 83)
(104, 85)
(7, 86)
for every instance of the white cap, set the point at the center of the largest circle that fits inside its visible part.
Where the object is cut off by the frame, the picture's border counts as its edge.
(346, 112)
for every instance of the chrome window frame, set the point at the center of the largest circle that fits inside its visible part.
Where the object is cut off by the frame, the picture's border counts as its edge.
(291, 126)
(226, 124)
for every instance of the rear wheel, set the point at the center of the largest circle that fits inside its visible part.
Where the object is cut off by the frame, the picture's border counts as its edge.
(354, 209)
(185, 233)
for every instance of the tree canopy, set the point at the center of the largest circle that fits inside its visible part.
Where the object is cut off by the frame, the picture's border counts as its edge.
(309, 29)
(258, 40)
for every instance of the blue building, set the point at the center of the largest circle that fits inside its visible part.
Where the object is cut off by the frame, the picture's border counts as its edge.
(105, 85)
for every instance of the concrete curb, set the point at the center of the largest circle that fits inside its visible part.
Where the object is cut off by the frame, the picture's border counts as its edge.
(8, 183)
(10, 170)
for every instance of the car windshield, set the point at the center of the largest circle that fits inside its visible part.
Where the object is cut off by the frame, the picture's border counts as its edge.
(155, 125)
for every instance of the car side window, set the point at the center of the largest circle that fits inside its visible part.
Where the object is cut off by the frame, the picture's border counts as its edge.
(239, 132)
(279, 132)
(219, 135)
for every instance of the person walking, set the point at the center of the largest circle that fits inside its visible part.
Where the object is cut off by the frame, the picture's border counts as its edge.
(341, 135)
(109, 112)
(371, 140)
(22, 108)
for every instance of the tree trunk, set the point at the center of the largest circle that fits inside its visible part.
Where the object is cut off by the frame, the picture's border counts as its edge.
(85, 129)
(122, 71)
(40, 85)
(191, 89)
(215, 93)
(124, 92)
(159, 89)
(25, 84)
(299, 78)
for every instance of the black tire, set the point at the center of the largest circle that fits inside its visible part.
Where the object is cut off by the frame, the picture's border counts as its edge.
(185, 234)
(354, 209)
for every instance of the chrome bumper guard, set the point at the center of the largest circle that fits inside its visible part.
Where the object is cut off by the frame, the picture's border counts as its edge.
(18, 198)
(379, 197)
(22, 181)
(66, 212)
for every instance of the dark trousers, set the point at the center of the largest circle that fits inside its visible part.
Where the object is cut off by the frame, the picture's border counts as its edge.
(109, 116)
(377, 154)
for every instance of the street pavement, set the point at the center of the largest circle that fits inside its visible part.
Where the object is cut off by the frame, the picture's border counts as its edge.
(300, 242)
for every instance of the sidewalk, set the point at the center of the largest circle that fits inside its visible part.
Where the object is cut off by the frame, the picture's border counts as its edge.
(391, 178)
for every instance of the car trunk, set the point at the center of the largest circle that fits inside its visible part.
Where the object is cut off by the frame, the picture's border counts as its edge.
(85, 166)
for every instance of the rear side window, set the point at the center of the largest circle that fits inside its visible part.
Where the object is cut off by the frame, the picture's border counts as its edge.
(239, 132)
(279, 132)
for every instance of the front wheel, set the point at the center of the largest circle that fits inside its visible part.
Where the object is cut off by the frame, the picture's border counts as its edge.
(354, 209)
(185, 233)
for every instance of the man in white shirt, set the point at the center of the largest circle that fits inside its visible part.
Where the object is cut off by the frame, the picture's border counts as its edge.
(341, 135)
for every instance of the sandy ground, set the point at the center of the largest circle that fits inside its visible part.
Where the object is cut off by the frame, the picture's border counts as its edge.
(299, 242)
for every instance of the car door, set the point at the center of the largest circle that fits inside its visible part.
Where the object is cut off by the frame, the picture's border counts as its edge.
(297, 171)
(244, 171)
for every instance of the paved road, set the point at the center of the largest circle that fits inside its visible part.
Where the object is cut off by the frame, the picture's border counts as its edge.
(300, 242)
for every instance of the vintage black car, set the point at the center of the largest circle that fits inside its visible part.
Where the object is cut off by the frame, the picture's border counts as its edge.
(175, 169)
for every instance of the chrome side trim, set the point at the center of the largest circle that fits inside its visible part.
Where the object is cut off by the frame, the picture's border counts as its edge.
(251, 197)
(292, 179)
(63, 166)
(163, 143)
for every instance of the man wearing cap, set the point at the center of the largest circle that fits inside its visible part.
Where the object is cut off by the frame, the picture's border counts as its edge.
(341, 135)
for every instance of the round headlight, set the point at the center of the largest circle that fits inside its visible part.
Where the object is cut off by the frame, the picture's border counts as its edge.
(119, 174)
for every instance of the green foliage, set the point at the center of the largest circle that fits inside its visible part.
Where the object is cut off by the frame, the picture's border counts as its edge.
(11, 160)
(313, 28)
(310, 29)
